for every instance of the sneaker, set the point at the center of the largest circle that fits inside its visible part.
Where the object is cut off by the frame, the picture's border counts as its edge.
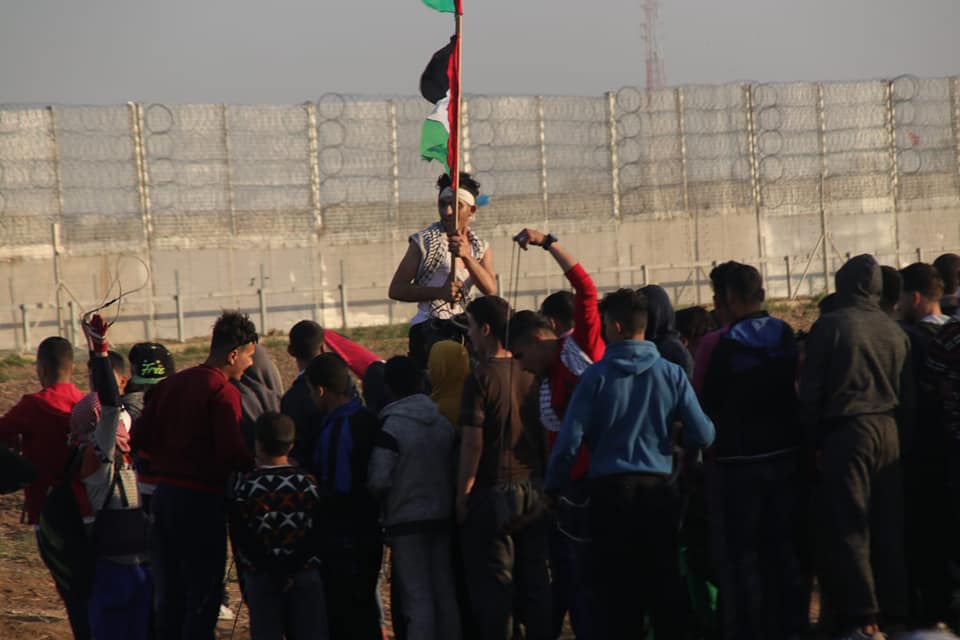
(225, 613)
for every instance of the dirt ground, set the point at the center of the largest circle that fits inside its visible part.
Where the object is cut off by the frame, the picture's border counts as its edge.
(30, 605)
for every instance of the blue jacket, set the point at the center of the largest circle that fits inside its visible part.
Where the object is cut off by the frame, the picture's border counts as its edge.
(624, 407)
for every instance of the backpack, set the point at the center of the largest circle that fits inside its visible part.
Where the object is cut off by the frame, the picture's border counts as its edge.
(62, 537)
(67, 548)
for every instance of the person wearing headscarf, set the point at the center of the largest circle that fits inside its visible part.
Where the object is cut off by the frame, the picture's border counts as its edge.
(448, 367)
(661, 328)
(260, 390)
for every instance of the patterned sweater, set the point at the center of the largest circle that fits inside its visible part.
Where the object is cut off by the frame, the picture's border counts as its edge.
(273, 520)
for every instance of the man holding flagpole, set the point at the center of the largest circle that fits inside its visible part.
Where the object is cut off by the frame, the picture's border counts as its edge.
(445, 261)
(443, 264)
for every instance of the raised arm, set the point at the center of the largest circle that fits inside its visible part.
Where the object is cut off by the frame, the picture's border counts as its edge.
(587, 324)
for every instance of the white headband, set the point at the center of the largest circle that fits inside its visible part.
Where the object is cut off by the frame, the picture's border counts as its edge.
(463, 194)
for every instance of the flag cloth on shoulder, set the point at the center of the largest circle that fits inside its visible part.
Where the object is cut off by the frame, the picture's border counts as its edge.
(445, 6)
(440, 84)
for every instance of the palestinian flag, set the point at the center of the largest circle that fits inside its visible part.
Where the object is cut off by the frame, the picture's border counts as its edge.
(440, 84)
(445, 6)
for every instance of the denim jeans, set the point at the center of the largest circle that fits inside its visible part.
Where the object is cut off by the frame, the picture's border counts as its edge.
(286, 606)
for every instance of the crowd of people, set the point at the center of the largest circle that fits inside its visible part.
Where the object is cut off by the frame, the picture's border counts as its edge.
(640, 472)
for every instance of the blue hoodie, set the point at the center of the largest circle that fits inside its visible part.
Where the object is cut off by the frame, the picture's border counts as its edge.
(624, 408)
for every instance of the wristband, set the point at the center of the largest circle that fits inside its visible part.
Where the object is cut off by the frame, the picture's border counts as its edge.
(549, 240)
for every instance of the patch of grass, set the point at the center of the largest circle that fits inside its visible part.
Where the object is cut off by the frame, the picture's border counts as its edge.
(383, 332)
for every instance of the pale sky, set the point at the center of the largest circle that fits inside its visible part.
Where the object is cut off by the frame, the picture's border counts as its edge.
(289, 51)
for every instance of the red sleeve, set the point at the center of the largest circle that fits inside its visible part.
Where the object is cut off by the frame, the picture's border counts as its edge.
(230, 449)
(587, 327)
(15, 422)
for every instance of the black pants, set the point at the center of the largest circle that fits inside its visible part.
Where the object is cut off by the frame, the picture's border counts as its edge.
(424, 335)
(761, 575)
(188, 549)
(860, 525)
(636, 556)
(351, 566)
(506, 540)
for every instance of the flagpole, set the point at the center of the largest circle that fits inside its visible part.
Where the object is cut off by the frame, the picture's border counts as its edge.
(458, 23)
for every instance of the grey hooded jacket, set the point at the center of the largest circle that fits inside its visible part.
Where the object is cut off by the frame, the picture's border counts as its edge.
(411, 469)
(857, 358)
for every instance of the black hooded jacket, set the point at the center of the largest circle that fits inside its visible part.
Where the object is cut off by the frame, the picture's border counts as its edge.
(661, 328)
(858, 359)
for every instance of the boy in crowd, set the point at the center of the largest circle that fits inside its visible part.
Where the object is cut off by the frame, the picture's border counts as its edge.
(692, 324)
(948, 265)
(412, 470)
(500, 505)
(352, 546)
(558, 362)
(749, 392)
(38, 426)
(856, 382)
(306, 343)
(190, 431)
(923, 452)
(274, 526)
(624, 409)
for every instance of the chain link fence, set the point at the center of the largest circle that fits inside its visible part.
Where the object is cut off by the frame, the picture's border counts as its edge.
(675, 178)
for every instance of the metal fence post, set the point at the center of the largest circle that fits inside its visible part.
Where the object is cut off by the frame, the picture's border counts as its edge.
(58, 225)
(544, 189)
(786, 260)
(395, 161)
(313, 161)
(25, 326)
(231, 202)
(146, 209)
(645, 270)
(72, 314)
(262, 296)
(614, 158)
(57, 276)
(754, 164)
(894, 169)
(343, 298)
(824, 228)
(919, 254)
(955, 99)
(178, 300)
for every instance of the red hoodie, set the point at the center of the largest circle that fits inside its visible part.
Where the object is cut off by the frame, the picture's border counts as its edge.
(42, 420)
